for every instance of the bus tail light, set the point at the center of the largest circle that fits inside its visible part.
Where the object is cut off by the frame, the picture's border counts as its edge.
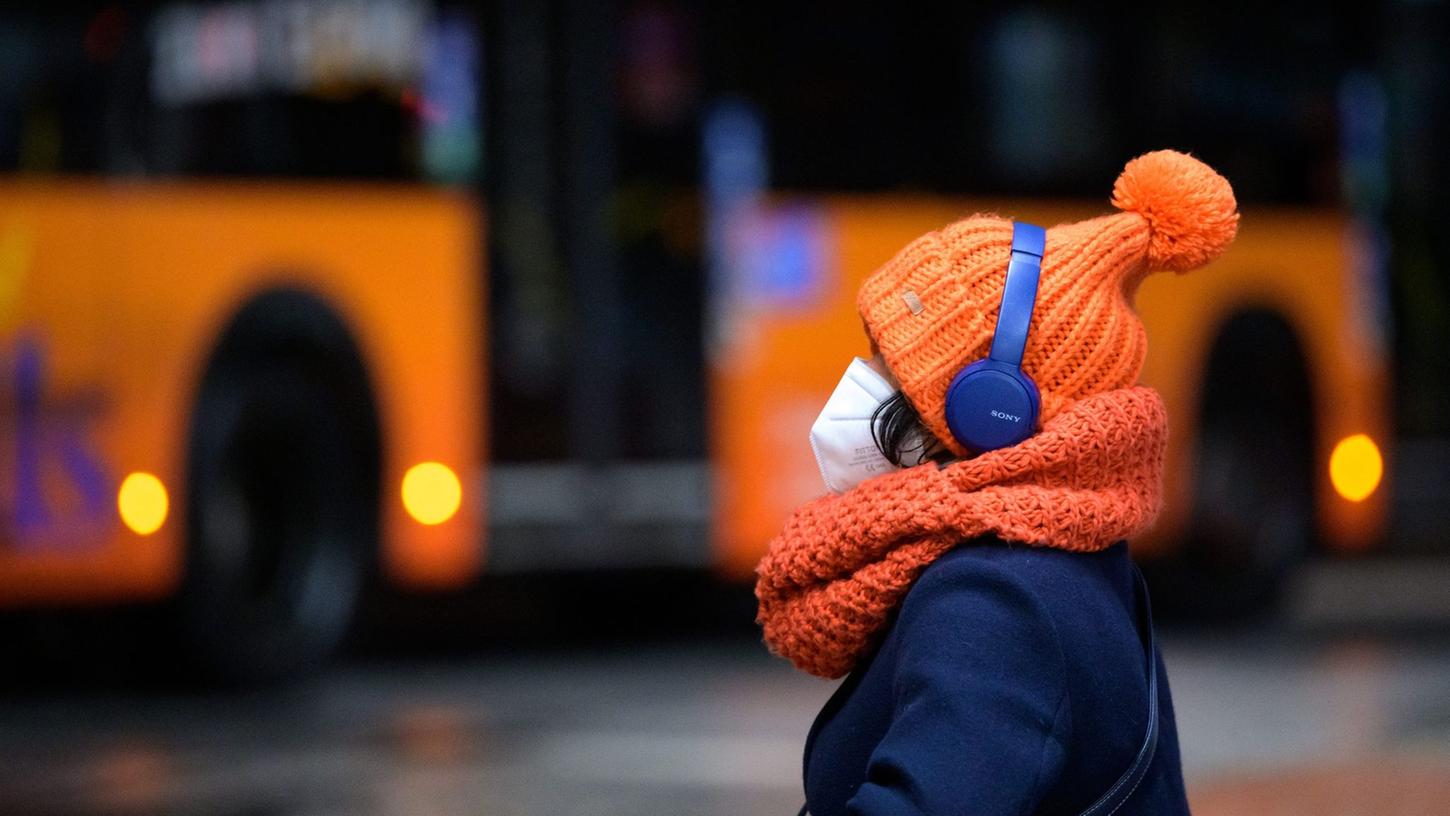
(143, 503)
(431, 492)
(1356, 467)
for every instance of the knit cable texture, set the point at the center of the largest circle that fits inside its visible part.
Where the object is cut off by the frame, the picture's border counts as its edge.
(829, 582)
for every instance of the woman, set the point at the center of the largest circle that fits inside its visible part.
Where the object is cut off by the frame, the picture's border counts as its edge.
(969, 570)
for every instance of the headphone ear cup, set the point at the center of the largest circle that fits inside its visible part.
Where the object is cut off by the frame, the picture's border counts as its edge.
(991, 405)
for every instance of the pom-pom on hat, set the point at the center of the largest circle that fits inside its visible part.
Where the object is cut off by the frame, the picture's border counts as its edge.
(931, 310)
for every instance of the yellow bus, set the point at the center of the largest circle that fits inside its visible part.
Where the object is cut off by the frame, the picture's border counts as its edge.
(247, 398)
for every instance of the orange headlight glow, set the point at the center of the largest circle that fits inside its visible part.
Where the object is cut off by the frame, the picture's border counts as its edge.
(143, 503)
(431, 492)
(1356, 467)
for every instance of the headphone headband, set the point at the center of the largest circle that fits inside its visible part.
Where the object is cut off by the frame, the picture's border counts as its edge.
(1019, 294)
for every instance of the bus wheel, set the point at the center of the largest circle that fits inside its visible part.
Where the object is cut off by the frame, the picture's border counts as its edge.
(1251, 526)
(280, 522)
(1253, 502)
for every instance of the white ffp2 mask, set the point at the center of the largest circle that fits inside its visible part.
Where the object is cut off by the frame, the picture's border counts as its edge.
(841, 437)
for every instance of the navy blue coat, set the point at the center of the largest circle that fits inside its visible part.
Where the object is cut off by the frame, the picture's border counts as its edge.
(1010, 682)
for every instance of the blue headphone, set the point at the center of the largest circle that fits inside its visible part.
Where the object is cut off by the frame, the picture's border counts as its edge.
(992, 403)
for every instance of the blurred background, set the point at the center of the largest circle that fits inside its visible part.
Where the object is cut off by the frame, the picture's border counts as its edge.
(395, 396)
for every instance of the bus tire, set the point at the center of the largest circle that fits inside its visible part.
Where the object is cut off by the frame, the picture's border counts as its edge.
(1253, 504)
(281, 517)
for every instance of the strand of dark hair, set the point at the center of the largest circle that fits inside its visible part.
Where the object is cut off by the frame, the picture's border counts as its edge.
(897, 430)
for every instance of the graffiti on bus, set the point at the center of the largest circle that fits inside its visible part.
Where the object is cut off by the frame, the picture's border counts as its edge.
(56, 488)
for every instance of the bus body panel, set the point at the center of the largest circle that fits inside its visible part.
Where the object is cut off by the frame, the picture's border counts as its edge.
(125, 288)
(787, 326)
(1301, 266)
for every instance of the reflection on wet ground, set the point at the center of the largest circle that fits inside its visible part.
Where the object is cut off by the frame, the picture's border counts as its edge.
(1269, 725)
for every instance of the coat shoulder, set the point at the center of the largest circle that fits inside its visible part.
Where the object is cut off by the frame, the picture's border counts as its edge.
(1035, 570)
(1050, 592)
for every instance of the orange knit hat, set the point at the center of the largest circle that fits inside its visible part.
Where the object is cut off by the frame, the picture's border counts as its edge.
(931, 310)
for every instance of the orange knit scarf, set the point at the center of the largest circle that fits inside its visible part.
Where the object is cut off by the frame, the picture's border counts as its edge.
(829, 582)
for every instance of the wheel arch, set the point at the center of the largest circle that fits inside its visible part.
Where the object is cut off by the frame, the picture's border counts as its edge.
(1256, 368)
(298, 324)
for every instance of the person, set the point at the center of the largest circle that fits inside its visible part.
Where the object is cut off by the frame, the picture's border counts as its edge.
(968, 568)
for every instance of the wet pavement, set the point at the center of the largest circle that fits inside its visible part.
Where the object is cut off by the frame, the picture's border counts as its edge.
(1269, 724)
